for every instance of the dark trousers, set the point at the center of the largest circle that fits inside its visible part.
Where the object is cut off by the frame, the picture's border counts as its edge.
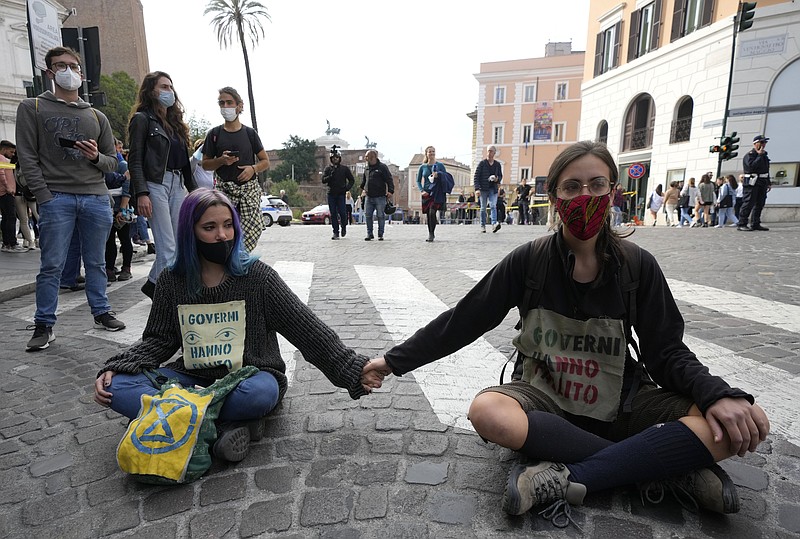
(9, 224)
(124, 235)
(338, 209)
(755, 197)
(432, 220)
(737, 206)
(522, 206)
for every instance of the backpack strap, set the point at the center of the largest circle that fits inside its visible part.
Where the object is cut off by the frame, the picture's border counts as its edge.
(629, 284)
(535, 278)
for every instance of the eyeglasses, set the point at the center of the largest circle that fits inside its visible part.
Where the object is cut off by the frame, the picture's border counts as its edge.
(572, 188)
(61, 66)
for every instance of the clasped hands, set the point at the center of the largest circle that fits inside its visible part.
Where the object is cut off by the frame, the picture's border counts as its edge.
(373, 373)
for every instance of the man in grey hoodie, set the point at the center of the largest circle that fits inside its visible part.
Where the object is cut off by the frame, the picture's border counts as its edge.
(65, 147)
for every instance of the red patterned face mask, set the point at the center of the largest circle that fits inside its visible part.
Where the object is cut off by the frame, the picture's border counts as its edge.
(583, 215)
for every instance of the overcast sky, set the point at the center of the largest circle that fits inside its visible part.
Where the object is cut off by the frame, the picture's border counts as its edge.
(400, 72)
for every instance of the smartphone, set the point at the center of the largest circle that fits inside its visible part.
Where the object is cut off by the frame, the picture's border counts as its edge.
(233, 153)
(66, 143)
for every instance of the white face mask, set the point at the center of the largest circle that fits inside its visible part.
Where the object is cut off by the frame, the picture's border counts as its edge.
(68, 79)
(229, 114)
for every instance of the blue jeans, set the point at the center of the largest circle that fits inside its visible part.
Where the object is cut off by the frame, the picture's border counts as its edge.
(375, 204)
(90, 216)
(685, 217)
(166, 198)
(491, 198)
(338, 211)
(253, 398)
(72, 266)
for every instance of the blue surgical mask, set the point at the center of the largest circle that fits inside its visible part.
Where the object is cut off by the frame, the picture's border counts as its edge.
(166, 98)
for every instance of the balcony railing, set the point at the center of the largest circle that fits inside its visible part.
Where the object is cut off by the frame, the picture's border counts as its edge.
(639, 139)
(681, 130)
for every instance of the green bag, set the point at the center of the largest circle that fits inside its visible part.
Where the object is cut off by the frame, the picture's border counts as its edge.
(168, 443)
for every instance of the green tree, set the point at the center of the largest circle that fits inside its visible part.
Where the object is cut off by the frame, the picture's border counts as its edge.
(242, 19)
(198, 127)
(300, 153)
(296, 199)
(120, 91)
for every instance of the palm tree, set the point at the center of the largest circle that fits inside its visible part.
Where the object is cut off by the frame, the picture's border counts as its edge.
(239, 17)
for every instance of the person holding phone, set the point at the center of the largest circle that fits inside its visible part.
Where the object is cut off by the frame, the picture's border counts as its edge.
(159, 165)
(68, 181)
(235, 153)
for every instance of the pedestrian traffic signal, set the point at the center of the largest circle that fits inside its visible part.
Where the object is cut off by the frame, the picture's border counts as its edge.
(746, 15)
(714, 148)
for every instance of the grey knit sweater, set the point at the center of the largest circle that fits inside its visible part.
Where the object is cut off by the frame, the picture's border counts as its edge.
(270, 306)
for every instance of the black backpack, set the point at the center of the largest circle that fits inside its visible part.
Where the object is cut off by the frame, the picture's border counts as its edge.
(631, 270)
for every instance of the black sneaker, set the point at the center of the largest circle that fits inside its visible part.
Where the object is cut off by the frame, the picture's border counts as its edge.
(232, 445)
(759, 227)
(335, 237)
(496, 227)
(74, 288)
(380, 238)
(108, 322)
(124, 274)
(344, 231)
(369, 238)
(744, 228)
(149, 288)
(151, 249)
(42, 337)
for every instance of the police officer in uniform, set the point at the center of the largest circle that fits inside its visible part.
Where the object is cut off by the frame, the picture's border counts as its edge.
(757, 184)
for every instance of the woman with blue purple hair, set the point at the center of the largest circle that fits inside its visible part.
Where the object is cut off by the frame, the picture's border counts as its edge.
(218, 304)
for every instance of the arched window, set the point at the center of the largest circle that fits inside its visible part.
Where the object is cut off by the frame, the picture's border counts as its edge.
(682, 123)
(602, 132)
(639, 121)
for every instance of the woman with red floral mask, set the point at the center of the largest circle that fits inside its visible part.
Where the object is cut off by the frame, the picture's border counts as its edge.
(581, 409)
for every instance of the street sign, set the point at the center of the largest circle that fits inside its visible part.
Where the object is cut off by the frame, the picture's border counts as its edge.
(636, 171)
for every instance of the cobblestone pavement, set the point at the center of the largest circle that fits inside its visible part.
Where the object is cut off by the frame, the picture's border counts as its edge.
(386, 466)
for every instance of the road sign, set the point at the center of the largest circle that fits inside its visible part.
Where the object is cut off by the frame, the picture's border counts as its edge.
(636, 171)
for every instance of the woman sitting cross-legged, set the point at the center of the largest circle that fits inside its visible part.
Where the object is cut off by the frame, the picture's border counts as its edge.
(223, 308)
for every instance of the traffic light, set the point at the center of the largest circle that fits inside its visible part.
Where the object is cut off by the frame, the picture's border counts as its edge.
(746, 14)
(714, 148)
(728, 146)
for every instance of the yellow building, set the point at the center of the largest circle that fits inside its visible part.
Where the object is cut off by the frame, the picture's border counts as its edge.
(529, 110)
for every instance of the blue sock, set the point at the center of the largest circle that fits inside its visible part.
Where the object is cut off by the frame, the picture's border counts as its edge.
(656, 453)
(551, 437)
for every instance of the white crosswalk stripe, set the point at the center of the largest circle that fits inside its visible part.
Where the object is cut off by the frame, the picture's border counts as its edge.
(451, 383)
(298, 276)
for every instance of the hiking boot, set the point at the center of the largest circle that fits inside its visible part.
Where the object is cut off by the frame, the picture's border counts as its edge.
(124, 274)
(496, 227)
(540, 484)
(232, 445)
(708, 488)
(42, 337)
(108, 322)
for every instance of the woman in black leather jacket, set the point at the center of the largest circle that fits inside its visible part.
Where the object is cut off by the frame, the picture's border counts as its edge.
(159, 165)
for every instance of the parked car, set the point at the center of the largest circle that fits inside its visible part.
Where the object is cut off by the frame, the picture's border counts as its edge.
(317, 216)
(275, 210)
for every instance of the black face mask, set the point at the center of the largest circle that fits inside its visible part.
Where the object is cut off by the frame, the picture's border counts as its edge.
(217, 252)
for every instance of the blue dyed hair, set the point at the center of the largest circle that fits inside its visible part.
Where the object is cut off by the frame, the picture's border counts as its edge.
(187, 261)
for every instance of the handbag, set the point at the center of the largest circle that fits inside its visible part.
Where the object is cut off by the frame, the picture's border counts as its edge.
(168, 442)
(684, 201)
